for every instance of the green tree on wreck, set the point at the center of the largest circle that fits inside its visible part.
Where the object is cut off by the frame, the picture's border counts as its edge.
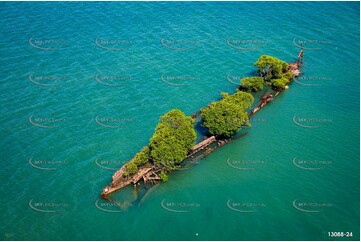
(227, 116)
(140, 159)
(130, 169)
(169, 145)
(163, 176)
(253, 84)
(173, 137)
(175, 134)
(274, 71)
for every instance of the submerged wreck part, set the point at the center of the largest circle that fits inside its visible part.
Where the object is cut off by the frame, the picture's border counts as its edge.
(203, 144)
(150, 174)
(294, 69)
(119, 182)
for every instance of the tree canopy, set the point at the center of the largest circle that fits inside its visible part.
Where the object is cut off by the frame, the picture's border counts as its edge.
(227, 116)
(173, 137)
(130, 169)
(253, 84)
(274, 71)
(140, 159)
(169, 145)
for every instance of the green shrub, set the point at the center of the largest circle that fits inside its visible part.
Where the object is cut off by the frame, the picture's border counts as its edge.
(130, 169)
(163, 176)
(280, 83)
(173, 138)
(253, 84)
(142, 157)
(227, 116)
(274, 71)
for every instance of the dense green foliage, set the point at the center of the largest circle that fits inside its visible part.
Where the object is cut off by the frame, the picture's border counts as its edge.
(228, 115)
(163, 176)
(253, 84)
(274, 71)
(140, 159)
(279, 83)
(130, 169)
(173, 137)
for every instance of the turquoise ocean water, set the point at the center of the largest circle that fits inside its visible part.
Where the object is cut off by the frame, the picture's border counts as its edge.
(83, 85)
